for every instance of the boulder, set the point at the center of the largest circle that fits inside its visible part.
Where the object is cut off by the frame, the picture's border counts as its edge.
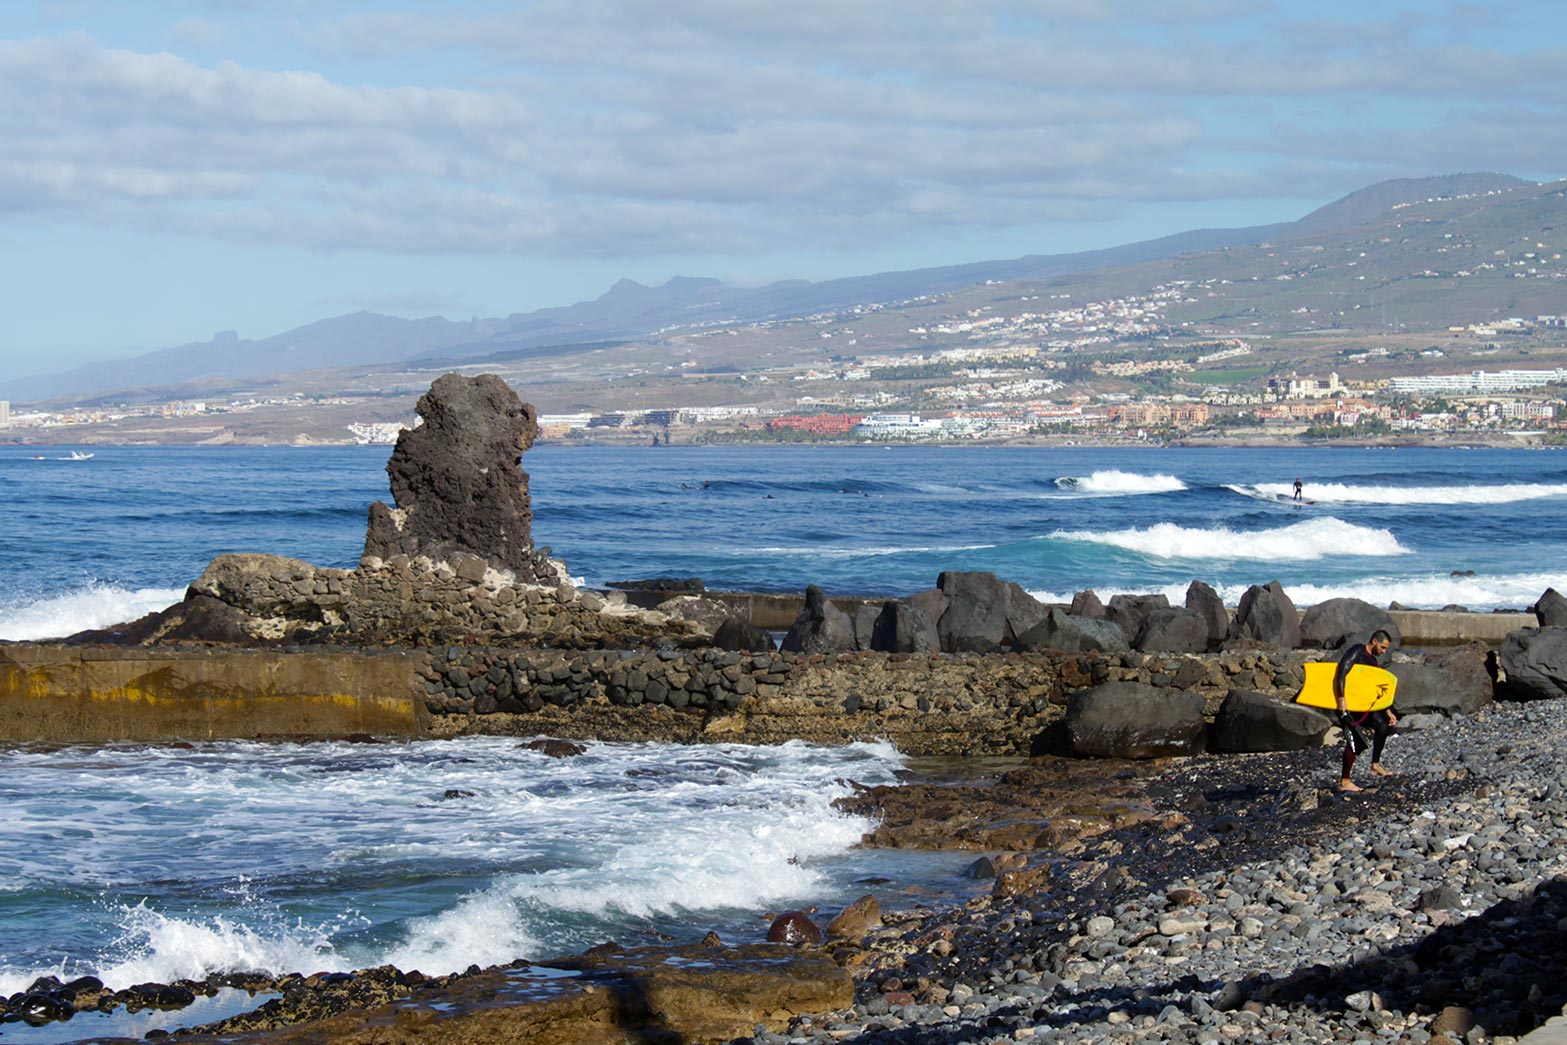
(1202, 600)
(1551, 609)
(1172, 630)
(1456, 683)
(902, 627)
(1266, 615)
(1086, 604)
(706, 614)
(819, 627)
(1132, 720)
(736, 634)
(983, 611)
(864, 621)
(1129, 611)
(1065, 631)
(1532, 664)
(795, 928)
(1331, 624)
(1251, 721)
(857, 919)
(457, 480)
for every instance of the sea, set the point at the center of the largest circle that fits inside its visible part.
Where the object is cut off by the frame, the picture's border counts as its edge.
(137, 863)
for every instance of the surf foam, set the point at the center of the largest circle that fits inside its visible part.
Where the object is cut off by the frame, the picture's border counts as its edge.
(95, 606)
(1343, 493)
(1303, 541)
(1112, 482)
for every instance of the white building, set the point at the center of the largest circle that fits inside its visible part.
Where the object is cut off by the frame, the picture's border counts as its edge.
(1479, 381)
(898, 426)
(5, 413)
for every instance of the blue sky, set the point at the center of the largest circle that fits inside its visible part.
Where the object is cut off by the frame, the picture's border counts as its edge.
(169, 170)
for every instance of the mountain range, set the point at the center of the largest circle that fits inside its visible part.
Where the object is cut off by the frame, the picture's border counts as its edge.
(630, 310)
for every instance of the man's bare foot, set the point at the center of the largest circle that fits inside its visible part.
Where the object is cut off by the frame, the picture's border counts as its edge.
(1348, 785)
(1378, 769)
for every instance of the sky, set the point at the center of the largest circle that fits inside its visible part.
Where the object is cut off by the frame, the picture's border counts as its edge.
(169, 170)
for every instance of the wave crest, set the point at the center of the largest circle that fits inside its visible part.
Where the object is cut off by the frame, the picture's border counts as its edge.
(1114, 483)
(1312, 539)
(1344, 493)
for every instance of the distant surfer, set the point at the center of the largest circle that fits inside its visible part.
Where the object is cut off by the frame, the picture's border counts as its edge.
(1297, 488)
(1380, 721)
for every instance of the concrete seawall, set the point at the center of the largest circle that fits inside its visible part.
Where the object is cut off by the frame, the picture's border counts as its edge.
(97, 694)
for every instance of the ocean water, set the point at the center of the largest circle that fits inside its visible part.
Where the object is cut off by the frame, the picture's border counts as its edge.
(137, 863)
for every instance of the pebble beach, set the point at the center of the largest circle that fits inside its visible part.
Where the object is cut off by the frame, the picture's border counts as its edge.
(1264, 906)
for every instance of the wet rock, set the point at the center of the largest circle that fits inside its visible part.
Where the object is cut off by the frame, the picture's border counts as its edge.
(855, 920)
(794, 928)
(555, 748)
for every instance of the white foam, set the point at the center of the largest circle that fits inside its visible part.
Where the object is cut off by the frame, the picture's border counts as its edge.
(95, 606)
(1311, 539)
(161, 949)
(821, 552)
(1341, 493)
(1111, 482)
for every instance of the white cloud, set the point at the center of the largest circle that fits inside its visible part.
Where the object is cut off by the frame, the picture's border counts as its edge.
(604, 128)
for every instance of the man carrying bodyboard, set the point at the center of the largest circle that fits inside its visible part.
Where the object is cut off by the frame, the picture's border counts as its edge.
(1380, 721)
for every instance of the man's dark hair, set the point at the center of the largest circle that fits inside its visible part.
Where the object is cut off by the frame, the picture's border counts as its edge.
(1381, 633)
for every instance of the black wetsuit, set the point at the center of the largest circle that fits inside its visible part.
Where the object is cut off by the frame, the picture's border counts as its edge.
(1297, 489)
(1377, 720)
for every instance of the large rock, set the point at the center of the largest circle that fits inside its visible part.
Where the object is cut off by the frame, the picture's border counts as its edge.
(736, 634)
(1532, 664)
(707, 614)
(1330, 624)
(1172, 630)
(1551, 609)
(1132, 720)
(1065, 631)
(1252, 721)
(457, 479)
(902, 627)
(1086, 604)
(1456, 683)
(819, 626)
(1266, 615)
(1202, 600)
(864, 620)
(983, 611)
(1129, 611)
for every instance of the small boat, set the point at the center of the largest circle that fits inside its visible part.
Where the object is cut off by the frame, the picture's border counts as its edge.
(77, 455)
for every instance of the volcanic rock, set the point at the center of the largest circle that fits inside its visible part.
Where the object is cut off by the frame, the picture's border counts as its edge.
(983, 611)
(1252, 721)
(1133, 720)
(1265, 614)
(457, 479)
(1332, 624)
(1066, 631)
(819, 626)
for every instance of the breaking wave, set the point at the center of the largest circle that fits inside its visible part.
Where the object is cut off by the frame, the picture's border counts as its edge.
(1114, 483)
(1312, 539)
(1344, 493)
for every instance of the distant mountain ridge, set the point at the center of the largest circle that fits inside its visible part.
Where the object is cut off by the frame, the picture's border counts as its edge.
(630, 310)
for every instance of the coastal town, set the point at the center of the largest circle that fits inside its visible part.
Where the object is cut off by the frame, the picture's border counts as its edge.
(1027, 369)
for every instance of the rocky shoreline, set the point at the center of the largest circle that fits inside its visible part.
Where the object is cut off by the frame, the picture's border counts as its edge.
(1136, 896)
(1207, 899)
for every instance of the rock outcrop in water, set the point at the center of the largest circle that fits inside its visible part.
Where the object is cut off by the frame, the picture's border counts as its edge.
(458, 482)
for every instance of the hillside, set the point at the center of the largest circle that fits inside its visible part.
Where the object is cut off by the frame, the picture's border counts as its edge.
(1413, 254)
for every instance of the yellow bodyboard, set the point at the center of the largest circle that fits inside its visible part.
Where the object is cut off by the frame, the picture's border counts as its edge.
(1365, 688)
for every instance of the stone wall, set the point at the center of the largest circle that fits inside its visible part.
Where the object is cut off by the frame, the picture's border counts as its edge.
(927, 704)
